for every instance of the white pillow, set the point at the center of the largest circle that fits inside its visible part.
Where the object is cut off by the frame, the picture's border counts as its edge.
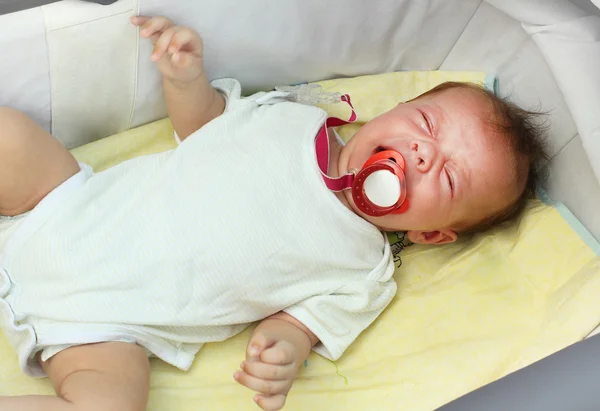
(102, 83)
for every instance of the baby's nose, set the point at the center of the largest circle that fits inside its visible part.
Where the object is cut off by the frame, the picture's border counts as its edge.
(424, 154)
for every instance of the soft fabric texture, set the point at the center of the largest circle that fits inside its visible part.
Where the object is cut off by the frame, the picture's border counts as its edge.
(465, 313)
(192, 245)
(82, 70)
(17, 325)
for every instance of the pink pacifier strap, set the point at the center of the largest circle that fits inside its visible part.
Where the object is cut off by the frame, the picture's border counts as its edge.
(322, 150)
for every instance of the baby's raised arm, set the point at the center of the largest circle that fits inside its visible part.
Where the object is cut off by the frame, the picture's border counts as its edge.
(191, 100)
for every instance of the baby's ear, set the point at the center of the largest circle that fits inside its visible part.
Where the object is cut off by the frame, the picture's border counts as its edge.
(436, 237)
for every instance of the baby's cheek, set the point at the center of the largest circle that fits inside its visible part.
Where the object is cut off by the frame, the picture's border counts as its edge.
(426, 208)
(426, 199)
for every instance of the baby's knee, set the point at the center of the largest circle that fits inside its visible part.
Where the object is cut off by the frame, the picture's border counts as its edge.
(101, 376)
(10, 114)
(12, 122)
(5, 110)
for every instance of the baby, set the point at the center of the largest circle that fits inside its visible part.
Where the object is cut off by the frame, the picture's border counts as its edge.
(239, 223)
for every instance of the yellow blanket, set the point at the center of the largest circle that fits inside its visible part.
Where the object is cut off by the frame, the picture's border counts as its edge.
(465, 313)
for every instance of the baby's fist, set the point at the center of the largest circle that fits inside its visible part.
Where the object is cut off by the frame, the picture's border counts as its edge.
(270, 369)
(177, 50)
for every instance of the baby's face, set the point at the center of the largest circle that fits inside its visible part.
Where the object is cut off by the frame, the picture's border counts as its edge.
(459, 170)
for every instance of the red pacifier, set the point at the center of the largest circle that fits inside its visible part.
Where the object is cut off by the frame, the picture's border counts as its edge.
(379, 188)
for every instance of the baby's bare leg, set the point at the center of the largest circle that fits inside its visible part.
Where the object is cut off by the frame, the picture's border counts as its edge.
(96, 377)
(32, 162)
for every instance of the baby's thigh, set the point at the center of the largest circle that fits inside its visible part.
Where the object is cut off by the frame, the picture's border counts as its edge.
(33, 162)
(112, 375)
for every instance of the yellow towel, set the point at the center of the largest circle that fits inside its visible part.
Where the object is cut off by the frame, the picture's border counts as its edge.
(465, 314)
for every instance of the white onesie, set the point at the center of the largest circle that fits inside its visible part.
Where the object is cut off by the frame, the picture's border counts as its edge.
(189, 246)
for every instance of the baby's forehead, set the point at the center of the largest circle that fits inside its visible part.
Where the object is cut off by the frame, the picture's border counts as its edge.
(462, 92)
(463, 107)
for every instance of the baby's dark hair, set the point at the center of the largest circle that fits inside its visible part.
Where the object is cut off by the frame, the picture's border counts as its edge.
(526, 137)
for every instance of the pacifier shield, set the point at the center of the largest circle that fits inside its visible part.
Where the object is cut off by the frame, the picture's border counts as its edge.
(379, 188)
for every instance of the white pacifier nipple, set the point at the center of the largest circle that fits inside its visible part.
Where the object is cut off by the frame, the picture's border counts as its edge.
(382, 188)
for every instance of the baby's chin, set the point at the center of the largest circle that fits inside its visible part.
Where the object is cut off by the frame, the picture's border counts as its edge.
(355, 154)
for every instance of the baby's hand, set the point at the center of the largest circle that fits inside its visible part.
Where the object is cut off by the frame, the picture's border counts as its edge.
(270, 369)
(177, 50)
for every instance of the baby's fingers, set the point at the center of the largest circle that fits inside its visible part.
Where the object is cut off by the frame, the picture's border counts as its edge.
(282, 353)
(163, 43)
(269, 371)
(152, 27)
(270, 402)
(139, 20)
(262, 386)
(185, 40)
(155, 24)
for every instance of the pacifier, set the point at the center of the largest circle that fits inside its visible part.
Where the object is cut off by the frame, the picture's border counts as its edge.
(379, 188)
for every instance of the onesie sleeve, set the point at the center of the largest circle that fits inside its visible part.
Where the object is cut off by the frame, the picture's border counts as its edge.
(230, 89)
(338, 318)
